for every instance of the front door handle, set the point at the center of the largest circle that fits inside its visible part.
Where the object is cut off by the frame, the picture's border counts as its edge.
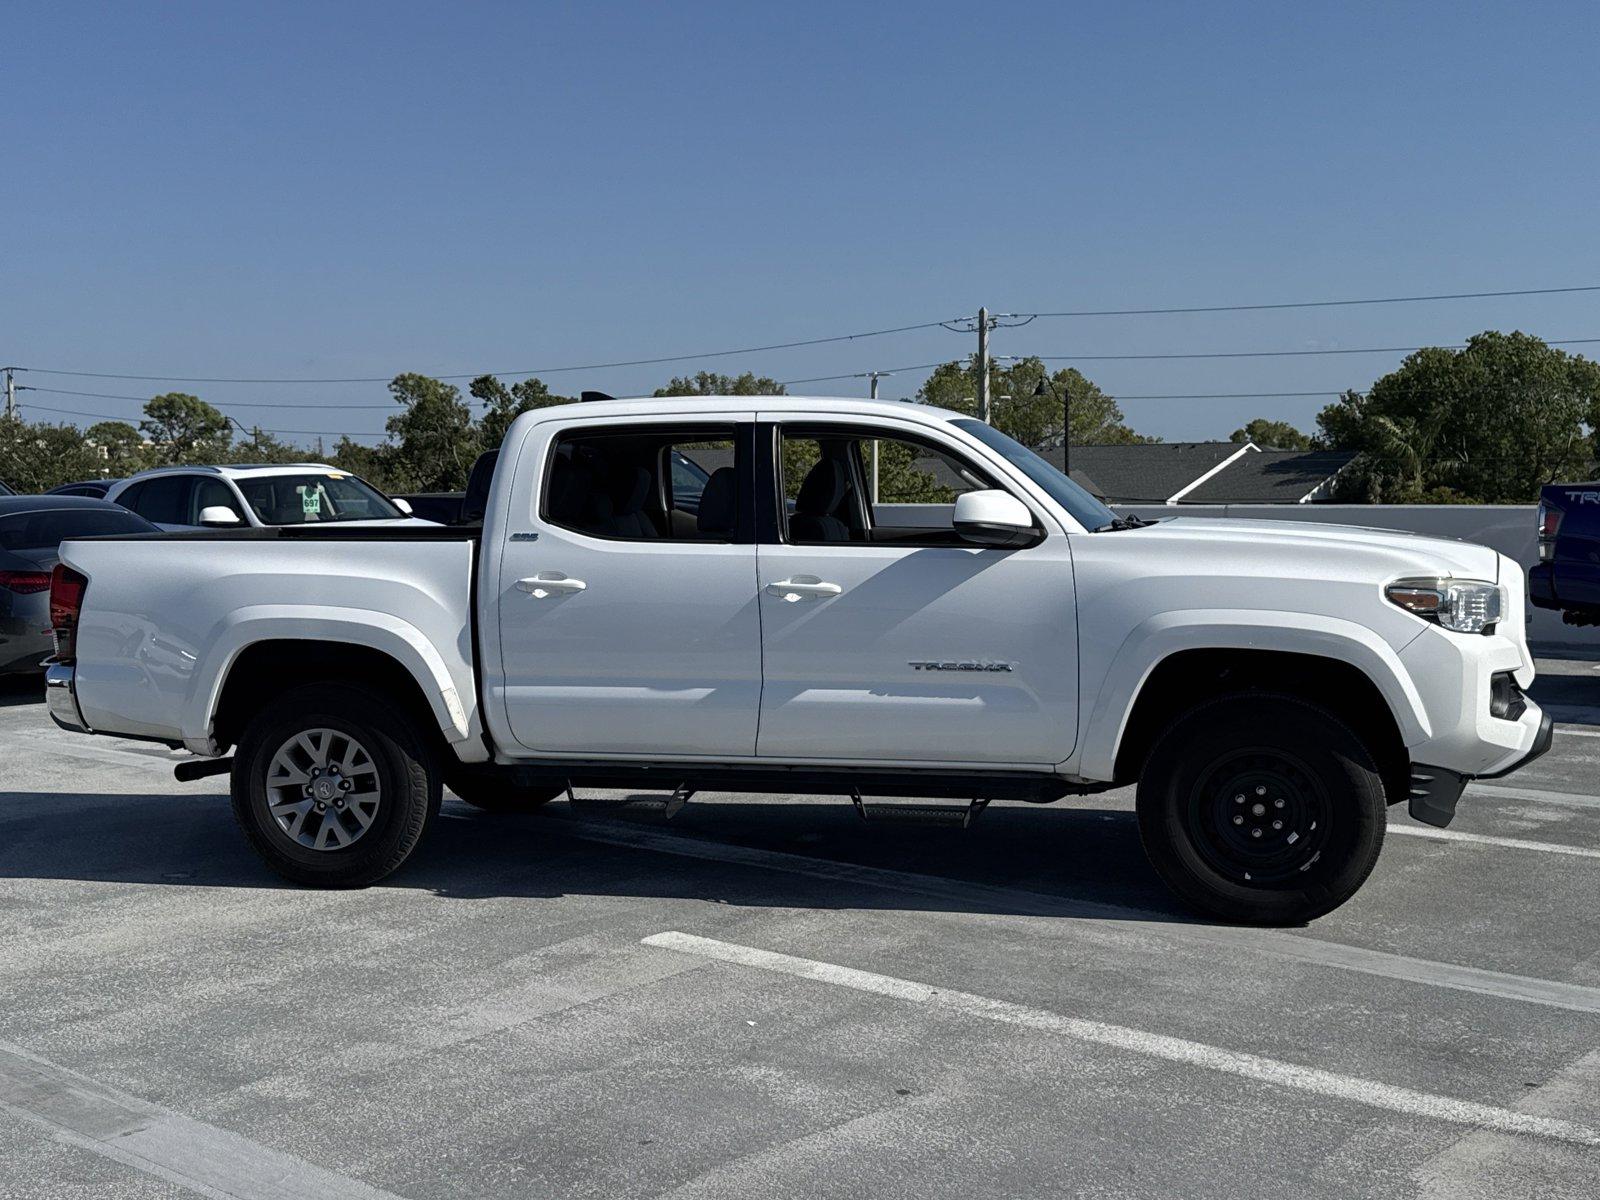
(803, 587)
(550, 583)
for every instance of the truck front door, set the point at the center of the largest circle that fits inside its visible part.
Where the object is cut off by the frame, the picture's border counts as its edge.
(887, 637)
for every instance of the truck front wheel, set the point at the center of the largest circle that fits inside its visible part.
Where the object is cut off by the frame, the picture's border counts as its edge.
(333, 786)
(1261, 808)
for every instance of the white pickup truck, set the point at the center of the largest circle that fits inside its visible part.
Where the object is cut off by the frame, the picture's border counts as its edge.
(777, 594)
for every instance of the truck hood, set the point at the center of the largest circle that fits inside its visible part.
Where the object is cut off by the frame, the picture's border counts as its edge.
(1330, 543)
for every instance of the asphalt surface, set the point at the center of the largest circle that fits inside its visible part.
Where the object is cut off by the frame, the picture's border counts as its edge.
(765, 997)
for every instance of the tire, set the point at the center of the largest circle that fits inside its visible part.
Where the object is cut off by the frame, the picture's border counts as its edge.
(1271, 763)
(379, 786)
(496, 792)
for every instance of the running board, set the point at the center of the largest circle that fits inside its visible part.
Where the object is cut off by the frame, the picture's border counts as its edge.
(962, 815)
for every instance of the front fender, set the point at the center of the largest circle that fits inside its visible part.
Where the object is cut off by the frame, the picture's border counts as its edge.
(450, 695)
(1168, 633)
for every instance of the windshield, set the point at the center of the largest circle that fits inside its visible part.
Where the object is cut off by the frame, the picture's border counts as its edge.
(1085, 509)
(315, 496)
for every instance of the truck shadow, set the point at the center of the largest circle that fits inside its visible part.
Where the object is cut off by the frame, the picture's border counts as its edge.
(21, 689)
(1018, 859)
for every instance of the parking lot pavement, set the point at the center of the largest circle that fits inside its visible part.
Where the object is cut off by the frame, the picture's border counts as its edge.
(765, 996)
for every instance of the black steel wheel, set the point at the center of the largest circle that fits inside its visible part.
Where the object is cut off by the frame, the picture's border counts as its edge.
(1262, 808)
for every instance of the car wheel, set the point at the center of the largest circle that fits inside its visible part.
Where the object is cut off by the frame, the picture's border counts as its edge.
(333, 786)
(494, 792)
(1263, 809)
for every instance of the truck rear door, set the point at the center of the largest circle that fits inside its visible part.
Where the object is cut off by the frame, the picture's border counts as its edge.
(626, 590)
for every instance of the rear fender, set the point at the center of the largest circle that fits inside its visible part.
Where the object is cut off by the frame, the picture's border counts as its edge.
(452, 700)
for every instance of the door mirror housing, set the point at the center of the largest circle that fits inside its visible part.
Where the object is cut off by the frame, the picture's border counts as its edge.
(402, 504)
(994, 518)
(219, 516)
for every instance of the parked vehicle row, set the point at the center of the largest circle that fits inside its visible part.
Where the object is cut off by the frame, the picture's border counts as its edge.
(32, 529)
(847, 596)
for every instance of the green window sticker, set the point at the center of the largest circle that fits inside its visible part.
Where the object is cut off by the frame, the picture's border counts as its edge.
(310, 499)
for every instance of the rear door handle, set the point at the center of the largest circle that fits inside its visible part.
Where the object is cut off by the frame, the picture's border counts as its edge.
(803, 587)
(550, 583)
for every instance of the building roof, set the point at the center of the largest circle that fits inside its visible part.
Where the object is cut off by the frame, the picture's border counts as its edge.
(1146, 472)
(1272, 477)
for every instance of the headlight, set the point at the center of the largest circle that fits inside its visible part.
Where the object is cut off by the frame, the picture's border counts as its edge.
(1464, 605)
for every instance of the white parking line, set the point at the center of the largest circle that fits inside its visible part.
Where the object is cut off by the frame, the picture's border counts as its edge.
(159, 1142)
(1495, 791)
(1568, 731)
(1137, 1041)
(1115, 921)
(1484, 839)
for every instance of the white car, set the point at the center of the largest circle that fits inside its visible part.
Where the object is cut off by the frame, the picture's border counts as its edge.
(257, 497)
(845, 596)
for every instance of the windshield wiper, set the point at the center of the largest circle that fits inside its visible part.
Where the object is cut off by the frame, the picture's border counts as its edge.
(1117, 524)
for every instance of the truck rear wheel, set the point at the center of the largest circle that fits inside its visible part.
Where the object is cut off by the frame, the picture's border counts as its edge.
(333, 786)
(494, 791)
(1264, 809)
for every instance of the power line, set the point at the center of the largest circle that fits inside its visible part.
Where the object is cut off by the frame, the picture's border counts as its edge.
(325, 433)
(1284, 353)
(956, 324)
(1210, 308)
(391, 406)
(635, 362)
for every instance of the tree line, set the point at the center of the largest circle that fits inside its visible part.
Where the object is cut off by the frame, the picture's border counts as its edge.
(1490, 422)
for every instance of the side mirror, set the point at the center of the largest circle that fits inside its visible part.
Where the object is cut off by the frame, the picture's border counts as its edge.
(219, 516)
(403, 505)
(994, 518)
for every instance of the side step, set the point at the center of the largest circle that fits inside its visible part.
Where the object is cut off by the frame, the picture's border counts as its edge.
(962, 815)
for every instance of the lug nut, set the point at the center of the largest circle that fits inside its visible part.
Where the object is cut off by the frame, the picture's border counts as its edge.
(1238, 799)
(1238, 820)
(1277, 804)
(1255, 833)
(1260, 791)
(321, 807)
(1277, 824)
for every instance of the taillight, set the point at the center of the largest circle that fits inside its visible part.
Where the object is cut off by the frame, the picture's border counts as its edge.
(1549, 526)
(24, 582)
(66, 599)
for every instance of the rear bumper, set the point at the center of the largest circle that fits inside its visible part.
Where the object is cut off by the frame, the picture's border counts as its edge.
(1435, 790)
(61, 698)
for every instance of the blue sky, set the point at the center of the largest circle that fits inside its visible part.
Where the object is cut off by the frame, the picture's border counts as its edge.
(360, 189)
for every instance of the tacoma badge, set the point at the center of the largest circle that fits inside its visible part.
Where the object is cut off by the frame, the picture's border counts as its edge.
(960, 666)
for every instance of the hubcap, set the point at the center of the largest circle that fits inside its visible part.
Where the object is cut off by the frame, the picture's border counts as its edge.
(1260, 816)
(322, 789)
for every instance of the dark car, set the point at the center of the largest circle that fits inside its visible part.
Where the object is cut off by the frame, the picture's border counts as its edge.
(97, 488)
(32, 529)
(1567, 576)
(4, 490)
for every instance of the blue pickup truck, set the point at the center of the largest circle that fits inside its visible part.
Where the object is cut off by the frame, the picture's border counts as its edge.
(1567, 576)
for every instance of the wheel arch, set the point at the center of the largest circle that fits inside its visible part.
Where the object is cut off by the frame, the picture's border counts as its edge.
(256, 660)
(1175, 660)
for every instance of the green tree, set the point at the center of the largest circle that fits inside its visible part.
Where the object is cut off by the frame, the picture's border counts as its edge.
(375, 464)
(1272, 435)
(185, 429)
(36, 458)
(505, 404)
(1034, 420)
(121, 445)
(433, 438)
(709, 383)
(1488, 423)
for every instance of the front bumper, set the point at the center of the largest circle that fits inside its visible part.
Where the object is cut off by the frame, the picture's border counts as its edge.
(1435, 790)
(61, 697)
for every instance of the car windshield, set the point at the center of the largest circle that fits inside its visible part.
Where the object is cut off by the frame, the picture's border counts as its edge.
(313, 496)
(1085, 509)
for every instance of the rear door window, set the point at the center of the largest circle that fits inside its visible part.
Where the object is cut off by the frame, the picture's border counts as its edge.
(645, 483)
(164, 500)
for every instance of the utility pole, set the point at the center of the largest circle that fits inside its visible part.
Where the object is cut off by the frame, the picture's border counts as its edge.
(983, 365)
(11, 395)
